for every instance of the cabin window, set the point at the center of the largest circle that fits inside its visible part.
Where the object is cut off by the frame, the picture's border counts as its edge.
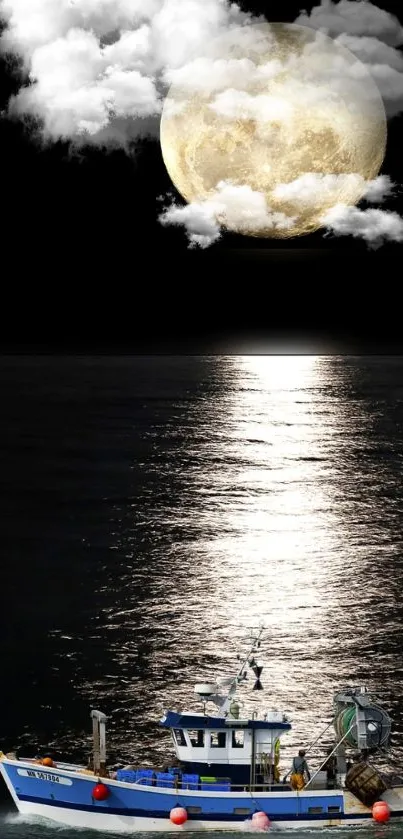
(196, 738)
(218, 739)
(315, 809)
(242, 811)
(179, 737)
(194, 809)
(333, 809)
(238, 739)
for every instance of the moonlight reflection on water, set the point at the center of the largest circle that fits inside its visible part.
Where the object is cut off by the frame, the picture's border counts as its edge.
(180, 501)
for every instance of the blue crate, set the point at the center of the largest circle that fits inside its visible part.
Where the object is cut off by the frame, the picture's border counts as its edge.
(145, 776)
(218, 786)
(165, 779)
(190, 781)
(127, 775)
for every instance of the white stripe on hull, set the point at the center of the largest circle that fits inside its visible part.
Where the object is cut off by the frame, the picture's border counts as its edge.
(127, 824)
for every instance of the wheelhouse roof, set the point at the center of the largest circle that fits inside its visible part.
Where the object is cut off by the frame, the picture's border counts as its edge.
(195, 721)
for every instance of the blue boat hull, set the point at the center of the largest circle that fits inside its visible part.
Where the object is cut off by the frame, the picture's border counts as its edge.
(66, 796)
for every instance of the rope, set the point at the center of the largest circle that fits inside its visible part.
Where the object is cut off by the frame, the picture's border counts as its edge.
(329, 755)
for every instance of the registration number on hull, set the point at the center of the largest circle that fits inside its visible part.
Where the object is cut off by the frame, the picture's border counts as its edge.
(45, 776)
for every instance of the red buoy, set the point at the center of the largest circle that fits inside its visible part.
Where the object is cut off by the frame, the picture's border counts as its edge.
(260, 821)
(178, 815)
(381, 812)
(100, 792)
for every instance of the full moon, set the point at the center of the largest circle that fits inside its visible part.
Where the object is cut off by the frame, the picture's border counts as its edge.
(279, 109)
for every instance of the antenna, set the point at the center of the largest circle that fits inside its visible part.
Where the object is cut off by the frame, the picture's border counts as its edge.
(208, 692)
(257, 667)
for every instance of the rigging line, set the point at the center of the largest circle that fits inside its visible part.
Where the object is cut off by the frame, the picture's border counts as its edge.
(318, 738)
(330, 755)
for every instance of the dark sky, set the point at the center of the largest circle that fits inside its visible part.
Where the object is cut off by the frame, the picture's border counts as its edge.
(86, 265)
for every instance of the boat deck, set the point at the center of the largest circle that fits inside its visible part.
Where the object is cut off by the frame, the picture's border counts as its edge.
(178, 780)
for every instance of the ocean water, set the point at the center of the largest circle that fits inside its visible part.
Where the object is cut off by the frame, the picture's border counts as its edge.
(153, 509)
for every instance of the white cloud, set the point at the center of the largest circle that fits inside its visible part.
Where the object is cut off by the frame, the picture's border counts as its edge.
(390, 84)
(78, 91)
(207, 74)
(33, 23)
(372, 51)
(98, 68)
(313, 189)
(331, 83)
(245, 210)
(379, 189)
(313, 76)
(354, 17)
(199, 220)
(238, 208)
(80, 81)
(374, 226)
(385, 63)
(371, 34)
(241, 209)
(238, 104)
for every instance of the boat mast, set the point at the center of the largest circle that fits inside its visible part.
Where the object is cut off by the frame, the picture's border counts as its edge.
(248, 661)
(99, 743)
(206, 691)
(256, 641)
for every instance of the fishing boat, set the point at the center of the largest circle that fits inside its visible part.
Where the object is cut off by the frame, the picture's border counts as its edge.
(226, 771)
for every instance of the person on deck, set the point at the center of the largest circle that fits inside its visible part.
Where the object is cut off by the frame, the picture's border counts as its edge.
(298, 771)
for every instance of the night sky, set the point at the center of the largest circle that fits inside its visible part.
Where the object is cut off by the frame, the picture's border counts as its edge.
(87, 266)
